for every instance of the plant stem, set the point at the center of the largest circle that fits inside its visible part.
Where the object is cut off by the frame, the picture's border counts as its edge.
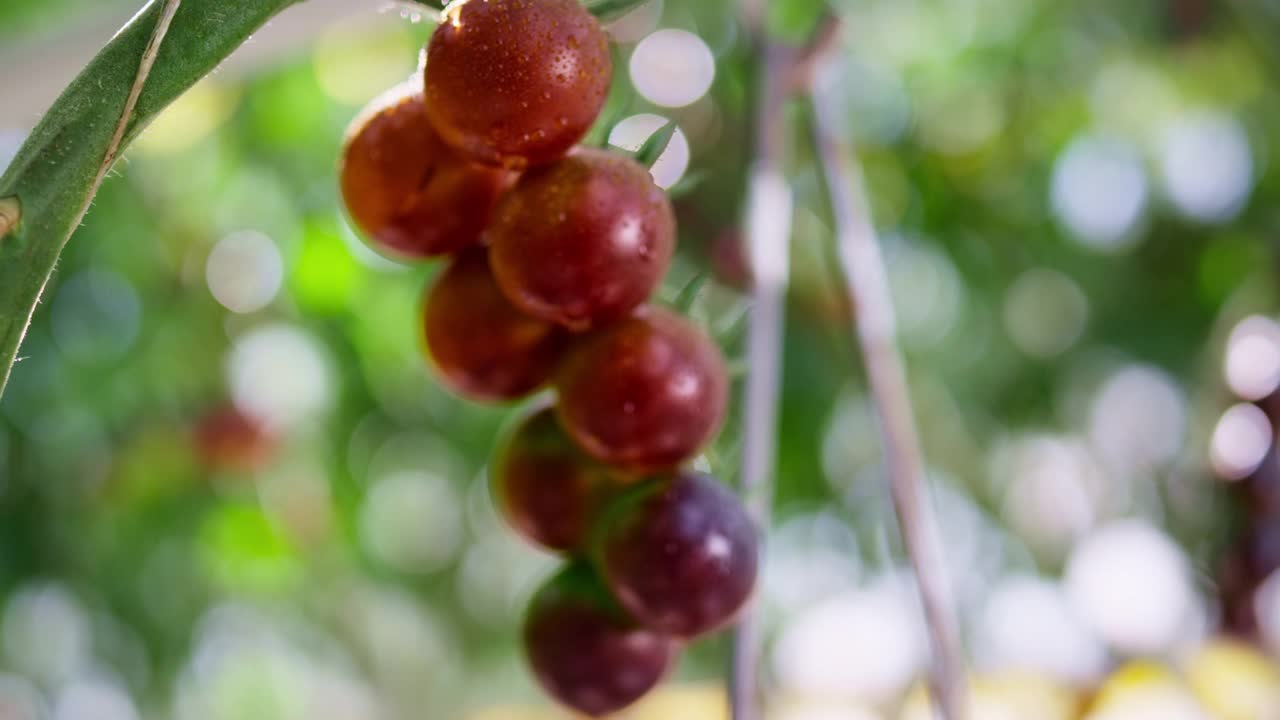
(609, 10)
(866, 280)
(767, 220)
(56, 172)
(10, 214)
(167, 11)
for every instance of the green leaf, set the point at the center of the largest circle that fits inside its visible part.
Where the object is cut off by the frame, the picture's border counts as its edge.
(657, 143)
(607, 10)
(689, 293)
(687, 185)
(433, 4)
(733, 330)
(737, 368)
(54, 174)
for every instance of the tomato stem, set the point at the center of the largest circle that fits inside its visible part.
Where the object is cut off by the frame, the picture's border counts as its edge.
(58, 169)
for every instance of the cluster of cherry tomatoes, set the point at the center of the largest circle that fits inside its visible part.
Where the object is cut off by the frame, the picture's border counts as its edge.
(555, 250)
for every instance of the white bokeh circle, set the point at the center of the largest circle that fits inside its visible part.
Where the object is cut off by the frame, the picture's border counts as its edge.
(1099, 192)
(672, 68)
(244, 271)
(631, 133)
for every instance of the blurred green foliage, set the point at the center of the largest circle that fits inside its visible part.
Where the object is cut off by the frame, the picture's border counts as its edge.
(118, 483)
(23, 17)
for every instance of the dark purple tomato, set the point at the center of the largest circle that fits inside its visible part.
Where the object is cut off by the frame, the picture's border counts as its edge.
(482, 347)
(516, 82)
(584, 650)
(409, 193)
(645, 393)
(680, 554)
(545, 487)
(583, 241)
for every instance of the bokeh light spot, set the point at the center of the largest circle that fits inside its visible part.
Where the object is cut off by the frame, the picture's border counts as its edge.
(410, 522)
(1138, 420)
(1099, 192)
(243, 666)
(1252, 362)
(960, 115)
(875, 103)
(865, 644)
(1240, 441)
(850, 446)
(809, 558)
(1054, 490)
(631, 133)
(1132, 98)
(1266, 608)
(1132, 585)
(280, 376)
(244, 271)
(499, 573)
(46, 633)
(928, 292)
(1028, 625)
(94, 700)
(191, 118)
(410, 648)
(1045, 312)
(20, 699)
(672, 68)
(1207, 166)
(96, 316)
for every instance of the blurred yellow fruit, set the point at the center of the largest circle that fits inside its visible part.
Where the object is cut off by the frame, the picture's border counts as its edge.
(517, 712)
(1004, 696)
(819, 709)
(1138, 677)
(677, 702)
(1235, 681)
(681, 702)
(1145, 691)
(190, 118)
